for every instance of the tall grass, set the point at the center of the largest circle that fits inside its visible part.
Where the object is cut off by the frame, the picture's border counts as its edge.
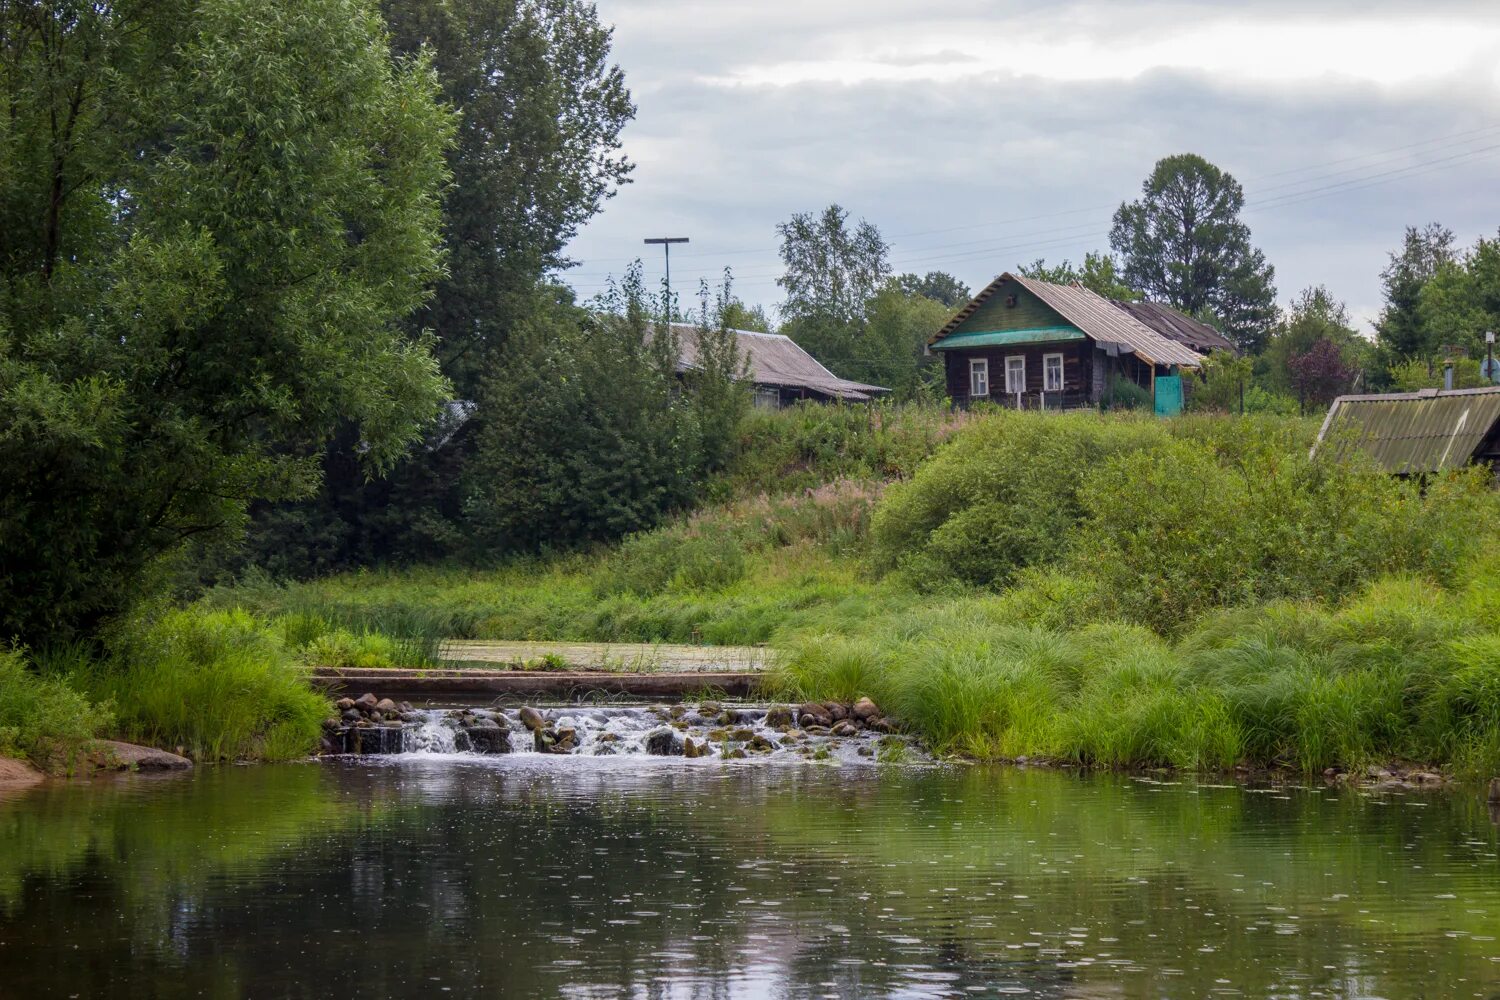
(220, 685)
(42, 719)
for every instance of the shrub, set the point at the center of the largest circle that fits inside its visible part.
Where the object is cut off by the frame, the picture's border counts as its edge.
(43, 719)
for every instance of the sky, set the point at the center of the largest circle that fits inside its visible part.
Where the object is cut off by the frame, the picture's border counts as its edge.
(980, 136)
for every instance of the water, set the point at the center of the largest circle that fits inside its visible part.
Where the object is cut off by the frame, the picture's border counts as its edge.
(528, 875)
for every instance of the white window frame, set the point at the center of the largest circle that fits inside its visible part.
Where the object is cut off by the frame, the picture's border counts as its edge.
(979, 377)
(1047, 369)
(1017, 384)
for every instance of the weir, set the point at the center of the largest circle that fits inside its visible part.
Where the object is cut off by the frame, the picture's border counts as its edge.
(712, 730)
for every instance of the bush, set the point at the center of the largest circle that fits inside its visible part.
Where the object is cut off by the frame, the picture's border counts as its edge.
(654, 562)
(219, 684)
(43, 719)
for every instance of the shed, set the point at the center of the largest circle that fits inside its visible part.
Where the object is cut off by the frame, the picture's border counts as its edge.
(781, 370)
(1032, 344)
(1410, 433)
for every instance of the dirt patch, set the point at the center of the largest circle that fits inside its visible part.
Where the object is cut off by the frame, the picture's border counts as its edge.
(16, 775)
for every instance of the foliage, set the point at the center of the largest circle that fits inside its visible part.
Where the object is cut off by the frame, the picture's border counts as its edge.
(1409, 376)
(1320, 375)
(537, 153)
(1222, 383)
(1100, 273)
(42, 719)
(1314, 316)
(831, 270)
(587, 436)
(939, 286)
(1462, 300)
(1183, 243)
(213, 217)
(219, 684)
(1400, 331)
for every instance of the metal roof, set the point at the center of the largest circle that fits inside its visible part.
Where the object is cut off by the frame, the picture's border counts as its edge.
(1092, 313)
(775, 359)
(1001, 338)
(1178, 326)
(1412, 432)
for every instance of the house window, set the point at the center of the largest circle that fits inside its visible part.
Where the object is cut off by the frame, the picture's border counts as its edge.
(1052, 372)
(1015, 374)
(979, 377)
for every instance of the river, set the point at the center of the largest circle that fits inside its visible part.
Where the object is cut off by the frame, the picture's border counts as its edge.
(536, 876)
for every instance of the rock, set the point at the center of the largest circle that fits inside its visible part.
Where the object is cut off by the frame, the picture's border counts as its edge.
(813, 714)
(605, 750)
(532, 719)
(344, 704)
(391, 723)
(488, 739)
(865, 710)
(677, 711)
(350, 714)
(760, 744)
(17, 774)
(692, 748)
(484, 723)
(1022, 759)
(881, 725)
(866, 751)
(709, 709)
(845, 728)
(735, 753)
(406, 706)
(332, 723)
(718, 735)
(816, 730)
(386, 707)
(742, 735)
(115, 755)
(366, 702)
(545, 741)
(567, 739)
(663, 743)
(607, 738)
(778, 716)
(1426, 778)
(836, 712)
(681, 725)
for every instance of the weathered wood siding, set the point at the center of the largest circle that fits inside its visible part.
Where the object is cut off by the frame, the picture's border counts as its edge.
(1028, 313)
(1077, 367)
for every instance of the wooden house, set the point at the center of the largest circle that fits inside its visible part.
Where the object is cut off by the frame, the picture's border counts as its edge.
(1034, 345)
(781, 370)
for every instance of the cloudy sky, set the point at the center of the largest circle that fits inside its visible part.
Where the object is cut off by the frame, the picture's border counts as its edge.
(982, 135)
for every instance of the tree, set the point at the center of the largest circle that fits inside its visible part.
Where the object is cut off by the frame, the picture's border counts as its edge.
(540, 111)
(1099, 274)
(1320, 374)
(1400, 330)
(1461, 301)
(587, 433)
(898, 326)
(1183, 243)
(939, 286)
(831, 270)
(213, 218)
(1314, 316)
(739, 316)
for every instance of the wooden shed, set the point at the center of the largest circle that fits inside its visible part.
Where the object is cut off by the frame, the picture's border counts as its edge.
(1412, 433)
(782, 371)
(1031, 344)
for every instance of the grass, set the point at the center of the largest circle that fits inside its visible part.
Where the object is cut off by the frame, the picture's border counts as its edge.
(42, 719)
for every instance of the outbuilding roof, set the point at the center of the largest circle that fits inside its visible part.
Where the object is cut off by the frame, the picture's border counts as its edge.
(1414, 432)
(1092, 313)
(775, 359)
(1178, 326)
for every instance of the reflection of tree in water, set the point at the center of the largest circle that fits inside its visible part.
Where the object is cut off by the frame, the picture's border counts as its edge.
(717, 883)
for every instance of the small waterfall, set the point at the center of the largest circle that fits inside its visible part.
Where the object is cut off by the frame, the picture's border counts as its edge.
(433, 734)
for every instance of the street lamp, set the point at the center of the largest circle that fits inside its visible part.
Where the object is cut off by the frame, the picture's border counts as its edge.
(666, 247)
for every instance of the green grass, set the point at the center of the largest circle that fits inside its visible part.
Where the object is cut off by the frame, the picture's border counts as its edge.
(42, 719)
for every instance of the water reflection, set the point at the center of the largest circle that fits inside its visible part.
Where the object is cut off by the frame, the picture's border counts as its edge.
(631, 878)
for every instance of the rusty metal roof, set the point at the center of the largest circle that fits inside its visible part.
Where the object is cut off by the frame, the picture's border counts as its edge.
(1178, 326)
(1412, 432)
(1092, 313)
(775, 359)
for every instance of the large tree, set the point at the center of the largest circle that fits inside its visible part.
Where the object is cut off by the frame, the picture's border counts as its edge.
(939, 286)
(831, 268)
(1313, 317)
(1183, 243)
(1400, 331)
(1099, 273)
(541, 108)
(214, 217)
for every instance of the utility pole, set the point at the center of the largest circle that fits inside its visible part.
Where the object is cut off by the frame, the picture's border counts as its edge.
(666, 247)
(1489, 356)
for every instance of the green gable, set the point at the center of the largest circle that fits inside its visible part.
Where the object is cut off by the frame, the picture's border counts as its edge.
(1030, 320)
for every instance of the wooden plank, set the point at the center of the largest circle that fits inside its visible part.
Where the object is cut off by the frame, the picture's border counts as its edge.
(483, 686)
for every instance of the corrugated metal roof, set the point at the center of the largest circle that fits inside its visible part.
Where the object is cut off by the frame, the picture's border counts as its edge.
(1411, 432)
(1000, 338)
(776, 360)
(1092, 313)
(1178, 326)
